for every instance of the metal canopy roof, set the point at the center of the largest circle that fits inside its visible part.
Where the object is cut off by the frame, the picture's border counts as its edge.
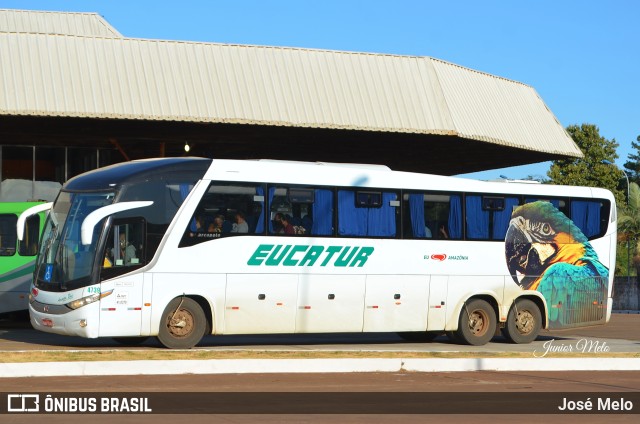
(66, 23)
(371, 101)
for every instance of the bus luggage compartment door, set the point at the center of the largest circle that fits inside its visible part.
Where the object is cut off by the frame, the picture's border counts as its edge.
(396, 303)
(330, 303)
(260, 303)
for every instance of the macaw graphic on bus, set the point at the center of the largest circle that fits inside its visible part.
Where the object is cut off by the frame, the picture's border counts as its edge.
(547, 252)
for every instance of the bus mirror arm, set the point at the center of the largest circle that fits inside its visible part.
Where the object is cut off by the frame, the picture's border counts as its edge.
(30, 212)
(86, 231)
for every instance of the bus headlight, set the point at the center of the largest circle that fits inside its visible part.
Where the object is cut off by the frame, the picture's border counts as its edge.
(32, 294)
(87, 300)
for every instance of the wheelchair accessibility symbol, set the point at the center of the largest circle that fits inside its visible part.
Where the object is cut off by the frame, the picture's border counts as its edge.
(47, 272)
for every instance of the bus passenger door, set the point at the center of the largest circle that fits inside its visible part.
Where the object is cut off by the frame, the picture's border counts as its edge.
(330, 303)
(121, 311)
(260, 303)
(396, 303)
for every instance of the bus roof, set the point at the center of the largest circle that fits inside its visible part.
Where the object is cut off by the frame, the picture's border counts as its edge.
(127, 172)
(316, 173)
(376, 176)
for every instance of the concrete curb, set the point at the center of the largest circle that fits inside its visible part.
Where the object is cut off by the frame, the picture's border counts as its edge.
(520, 364)
(247, 366)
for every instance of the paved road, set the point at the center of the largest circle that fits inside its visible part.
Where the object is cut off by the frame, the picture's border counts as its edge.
(496, 391)
(621, 334)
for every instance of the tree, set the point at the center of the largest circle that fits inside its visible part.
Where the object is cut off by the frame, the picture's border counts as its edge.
(633, 164)
(629, 224)
(536, 177)
(590, 170)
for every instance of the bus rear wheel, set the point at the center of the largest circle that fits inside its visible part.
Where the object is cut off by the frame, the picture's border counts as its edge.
(477, 323)
(183, 324)
(523, 322)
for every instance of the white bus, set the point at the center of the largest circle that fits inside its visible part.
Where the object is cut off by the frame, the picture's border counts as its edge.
(183, 247)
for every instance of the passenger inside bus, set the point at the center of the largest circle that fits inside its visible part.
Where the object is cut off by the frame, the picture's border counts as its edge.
(241, 225)
(276, 222)
(217, 224)
(287, 228)
(127, 250)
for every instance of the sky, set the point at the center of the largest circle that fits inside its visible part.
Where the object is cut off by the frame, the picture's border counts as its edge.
(581, 56)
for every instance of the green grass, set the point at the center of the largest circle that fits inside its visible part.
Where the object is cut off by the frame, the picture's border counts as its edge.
(155, 354)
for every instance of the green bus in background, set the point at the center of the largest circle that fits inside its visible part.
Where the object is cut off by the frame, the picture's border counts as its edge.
(17, 258)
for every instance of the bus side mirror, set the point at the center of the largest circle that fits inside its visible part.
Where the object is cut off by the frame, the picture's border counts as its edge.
(30, 212)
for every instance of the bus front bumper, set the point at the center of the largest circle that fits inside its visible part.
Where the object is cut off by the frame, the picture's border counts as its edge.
(82, 322)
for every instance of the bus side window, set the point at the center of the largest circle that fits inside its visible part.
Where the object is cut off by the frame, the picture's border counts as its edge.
(8, 234)
(561, 204)
(433, 216)
(226, 209)
(502, 217)
(124, 245)
(367, 213)
(300, 211)
(488, 217)
(29, 244)
(322, 213)
(588, 216)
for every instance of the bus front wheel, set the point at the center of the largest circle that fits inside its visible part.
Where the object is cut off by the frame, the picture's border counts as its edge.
(477, 323)
(523, 322)
(183, 324)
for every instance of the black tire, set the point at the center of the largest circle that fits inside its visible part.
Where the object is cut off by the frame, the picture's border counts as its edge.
(131, 341)
(183, 324)
(477, 324)
(419, 336)
(523, 322)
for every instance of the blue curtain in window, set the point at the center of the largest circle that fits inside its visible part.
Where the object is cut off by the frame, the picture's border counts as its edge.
(382, 221)
(455, 218)
(184, 192)
(352, 221)
(502, 218)
(593, 220)
(586, 216)
(260, 222)
(272, 192)
(416, 212)
(322, 213)
(477, 219)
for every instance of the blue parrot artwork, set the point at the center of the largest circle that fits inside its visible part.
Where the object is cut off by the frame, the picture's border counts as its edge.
(547, 252)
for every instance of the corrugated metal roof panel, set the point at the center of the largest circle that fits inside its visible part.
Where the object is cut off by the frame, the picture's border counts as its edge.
(200, 82)
(65, 23)
(488, 108)
(220, 83)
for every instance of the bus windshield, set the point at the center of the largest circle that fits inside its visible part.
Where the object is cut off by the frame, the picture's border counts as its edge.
(64, 262)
